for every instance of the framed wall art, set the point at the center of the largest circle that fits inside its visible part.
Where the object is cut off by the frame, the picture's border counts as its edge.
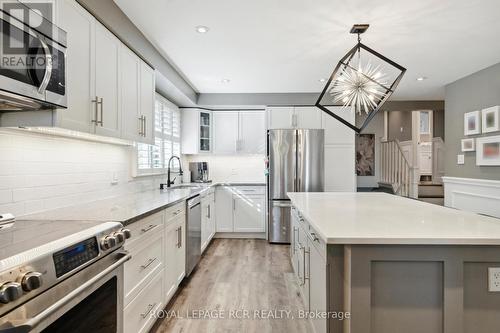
(365, 154)
(490, 119)
(468, 145)
(488, 150)
(471, 123)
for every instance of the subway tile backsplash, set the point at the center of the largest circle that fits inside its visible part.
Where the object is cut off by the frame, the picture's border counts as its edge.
(40, 172)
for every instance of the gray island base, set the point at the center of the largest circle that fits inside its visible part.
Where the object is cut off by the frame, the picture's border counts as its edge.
(394, 264)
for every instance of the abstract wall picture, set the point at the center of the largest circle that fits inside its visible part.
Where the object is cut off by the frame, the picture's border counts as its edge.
(471, 123)
(490, 119)
(365, 154)
(468, 145)
(488, 150)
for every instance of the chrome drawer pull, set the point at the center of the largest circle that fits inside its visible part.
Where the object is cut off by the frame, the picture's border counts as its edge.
(150, 261)
(148, 311)
(150, 227)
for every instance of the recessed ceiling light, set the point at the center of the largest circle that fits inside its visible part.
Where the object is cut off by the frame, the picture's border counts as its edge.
(322, 80)
(225, 81)
(421, 78)
(202, 29)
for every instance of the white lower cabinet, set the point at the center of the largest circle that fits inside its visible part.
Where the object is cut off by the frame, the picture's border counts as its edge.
(175, 251)
(248, 213)
(147, 260)
(156, 268)
(138, 314)
(207, 218)
(308, 257)
(240, 209)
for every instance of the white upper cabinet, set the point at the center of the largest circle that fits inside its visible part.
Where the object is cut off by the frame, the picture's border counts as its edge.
(80, 66)
(196, 131)
(226, 132)
(281, 117)
(110, 89)
(147, 101)
(308, 117)
(252, 132)
(130, 95)
(107, 68)
(294, 117)
(223, 132)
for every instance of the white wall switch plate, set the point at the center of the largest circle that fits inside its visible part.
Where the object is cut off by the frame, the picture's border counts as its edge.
(460, 159)
(494, 279)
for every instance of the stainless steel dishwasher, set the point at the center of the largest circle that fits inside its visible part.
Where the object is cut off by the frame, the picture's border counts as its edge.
(193, 234)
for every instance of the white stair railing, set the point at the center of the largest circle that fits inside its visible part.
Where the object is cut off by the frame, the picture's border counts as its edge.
(396, 170)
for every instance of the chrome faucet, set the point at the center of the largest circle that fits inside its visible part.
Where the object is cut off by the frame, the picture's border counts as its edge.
(169, 182)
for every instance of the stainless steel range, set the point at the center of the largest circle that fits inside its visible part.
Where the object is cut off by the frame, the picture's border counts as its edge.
(61, 276)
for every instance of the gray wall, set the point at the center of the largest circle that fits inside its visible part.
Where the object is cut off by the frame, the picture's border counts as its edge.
(399, 125)
(171, 83)
(475, 92)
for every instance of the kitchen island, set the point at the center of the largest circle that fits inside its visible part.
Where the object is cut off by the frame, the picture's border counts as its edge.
(390, 264)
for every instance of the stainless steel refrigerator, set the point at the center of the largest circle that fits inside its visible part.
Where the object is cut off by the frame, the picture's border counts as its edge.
(296, 164)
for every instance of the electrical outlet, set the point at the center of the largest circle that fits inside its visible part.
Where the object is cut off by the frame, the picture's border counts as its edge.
(494, 279)
(460, 159)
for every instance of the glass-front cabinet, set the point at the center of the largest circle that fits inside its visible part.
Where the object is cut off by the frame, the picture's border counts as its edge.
(196, 131)
(205, 131)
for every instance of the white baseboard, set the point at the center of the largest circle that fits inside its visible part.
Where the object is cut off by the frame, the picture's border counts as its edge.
(476, 195)
(252, 235)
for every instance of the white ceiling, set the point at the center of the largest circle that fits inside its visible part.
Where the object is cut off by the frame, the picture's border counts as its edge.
(277, 46)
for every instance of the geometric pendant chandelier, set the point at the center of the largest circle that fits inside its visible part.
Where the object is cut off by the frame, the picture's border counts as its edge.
(362, 82)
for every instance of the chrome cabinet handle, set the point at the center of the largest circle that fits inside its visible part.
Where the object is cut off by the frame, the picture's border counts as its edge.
(48, 66)
(148, 310)
(145, 129)
(308, 252)
(304, 266)
(150, 261)
(101, 121)
(96, 110)
(180, 237)
(295, 239)
(148, 228)
(298, 268)
(140, 126)
(209, 211)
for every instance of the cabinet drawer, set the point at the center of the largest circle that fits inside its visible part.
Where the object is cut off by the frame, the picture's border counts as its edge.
(317, 242)
(147, 260)
(249, 190)
(137, 316)
(174, 211)
(145, 227)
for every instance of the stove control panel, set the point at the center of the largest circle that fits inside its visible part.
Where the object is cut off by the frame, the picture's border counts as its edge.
(74, 256)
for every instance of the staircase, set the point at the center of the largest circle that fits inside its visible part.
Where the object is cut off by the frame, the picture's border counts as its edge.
(397, 175)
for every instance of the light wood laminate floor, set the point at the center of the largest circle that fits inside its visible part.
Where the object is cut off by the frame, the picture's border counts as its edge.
(238, 274)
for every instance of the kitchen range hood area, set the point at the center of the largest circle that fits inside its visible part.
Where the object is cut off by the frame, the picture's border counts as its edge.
(177, 167)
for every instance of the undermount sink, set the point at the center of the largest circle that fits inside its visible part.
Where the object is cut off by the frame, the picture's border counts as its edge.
(183, 186)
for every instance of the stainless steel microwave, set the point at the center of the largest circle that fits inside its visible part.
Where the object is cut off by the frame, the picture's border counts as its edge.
(33, 60)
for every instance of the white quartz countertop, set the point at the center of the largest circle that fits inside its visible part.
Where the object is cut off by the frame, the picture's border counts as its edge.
(380, 218)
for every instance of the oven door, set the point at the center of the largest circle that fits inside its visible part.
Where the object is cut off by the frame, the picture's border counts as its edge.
(88, 301)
